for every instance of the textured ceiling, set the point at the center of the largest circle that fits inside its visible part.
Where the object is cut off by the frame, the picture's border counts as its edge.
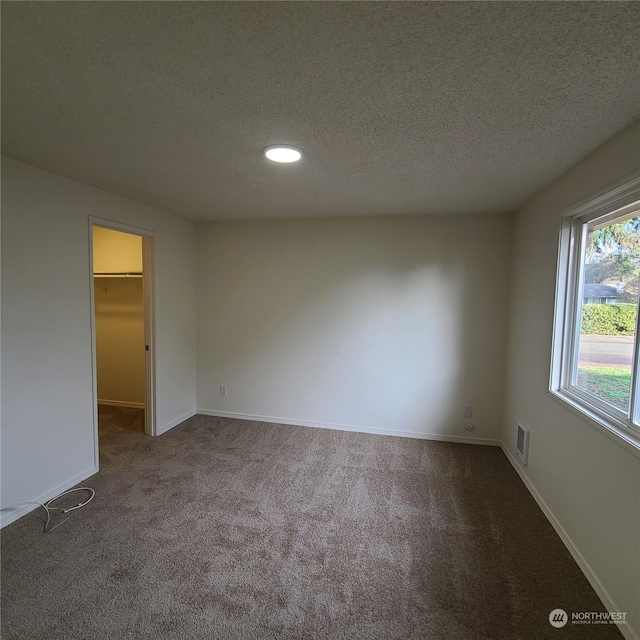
(400, 108)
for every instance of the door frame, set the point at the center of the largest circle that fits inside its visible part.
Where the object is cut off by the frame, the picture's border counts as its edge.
(149, 269)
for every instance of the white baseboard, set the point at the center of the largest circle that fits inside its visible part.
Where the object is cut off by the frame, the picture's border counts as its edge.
(350, 427)
(122, 403)
(585, 567)
(176, 422)
(11, 515)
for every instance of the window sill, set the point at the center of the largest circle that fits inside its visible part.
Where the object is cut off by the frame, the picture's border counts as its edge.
(623, 438)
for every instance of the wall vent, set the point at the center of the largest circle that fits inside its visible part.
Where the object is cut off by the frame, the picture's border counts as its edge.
(522, 442)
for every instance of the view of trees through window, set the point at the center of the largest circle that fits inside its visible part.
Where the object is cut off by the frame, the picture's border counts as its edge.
(611, 273)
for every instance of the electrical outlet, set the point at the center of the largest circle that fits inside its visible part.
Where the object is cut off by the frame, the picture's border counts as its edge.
(469, 426)
(223, 389)
(468, 411)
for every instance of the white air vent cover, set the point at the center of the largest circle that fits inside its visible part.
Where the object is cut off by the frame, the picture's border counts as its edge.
(522, 442)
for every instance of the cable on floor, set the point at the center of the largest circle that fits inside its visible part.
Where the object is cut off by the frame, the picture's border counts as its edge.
(46, 506)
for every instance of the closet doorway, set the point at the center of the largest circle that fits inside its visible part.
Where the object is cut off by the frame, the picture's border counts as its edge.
(123, 344)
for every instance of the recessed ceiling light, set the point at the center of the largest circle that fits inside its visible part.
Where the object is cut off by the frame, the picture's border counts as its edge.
(283, 153)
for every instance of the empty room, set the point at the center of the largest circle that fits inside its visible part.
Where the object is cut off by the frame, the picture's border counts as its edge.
(319, 320)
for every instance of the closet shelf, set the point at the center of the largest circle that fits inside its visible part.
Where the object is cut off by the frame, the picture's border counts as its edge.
(118, 274)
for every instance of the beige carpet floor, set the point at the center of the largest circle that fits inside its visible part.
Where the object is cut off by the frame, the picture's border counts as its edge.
(118, 419)
(229, 529)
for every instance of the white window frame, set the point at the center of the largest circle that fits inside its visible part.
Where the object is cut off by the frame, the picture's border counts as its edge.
(622, 198)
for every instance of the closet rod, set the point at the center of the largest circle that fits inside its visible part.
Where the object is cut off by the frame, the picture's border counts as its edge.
(118, 274)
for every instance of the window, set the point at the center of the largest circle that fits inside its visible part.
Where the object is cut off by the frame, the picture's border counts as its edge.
(595, 367)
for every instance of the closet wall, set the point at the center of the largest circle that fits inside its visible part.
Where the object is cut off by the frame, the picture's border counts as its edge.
(119, 314)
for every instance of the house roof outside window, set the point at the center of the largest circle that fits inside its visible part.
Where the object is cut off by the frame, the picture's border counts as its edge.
(593, 290)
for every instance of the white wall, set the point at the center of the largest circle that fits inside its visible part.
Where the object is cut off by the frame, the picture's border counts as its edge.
(116, 252)
(120, 344)
(47, 411)
(383, 324)
(588, 482)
